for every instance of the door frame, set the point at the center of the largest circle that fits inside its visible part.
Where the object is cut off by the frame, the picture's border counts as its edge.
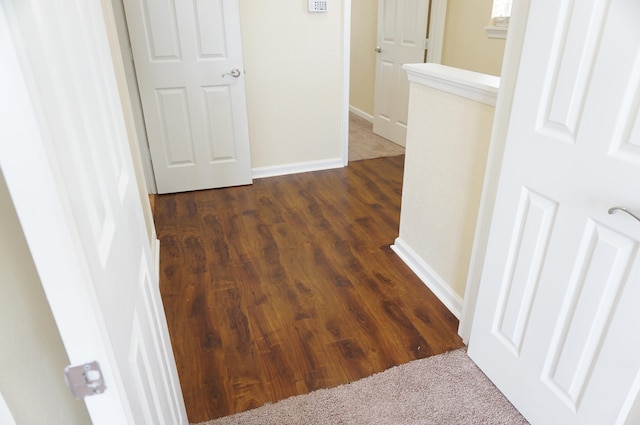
(120, 19)
(497, 144)
(434, 54)
(346, 80)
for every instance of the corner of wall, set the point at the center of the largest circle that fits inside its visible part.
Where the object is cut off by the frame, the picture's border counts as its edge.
(434, 282)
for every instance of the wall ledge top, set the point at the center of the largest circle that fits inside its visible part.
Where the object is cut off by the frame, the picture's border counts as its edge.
(471, 85)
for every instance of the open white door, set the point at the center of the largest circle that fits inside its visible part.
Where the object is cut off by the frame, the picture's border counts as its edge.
(556, 320)
(65, 157)
(402, 31)
(188, 58)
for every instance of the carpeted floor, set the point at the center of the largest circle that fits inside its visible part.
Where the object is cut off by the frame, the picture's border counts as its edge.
(440, 390)
(363, 144)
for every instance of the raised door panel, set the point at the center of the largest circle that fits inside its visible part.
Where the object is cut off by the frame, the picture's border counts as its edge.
(220, 134)
(599, 274)
(209, 25)
(411, 23)
(175, 120)
(161, 27)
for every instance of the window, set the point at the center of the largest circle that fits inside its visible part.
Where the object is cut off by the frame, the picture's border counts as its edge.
(500, 14)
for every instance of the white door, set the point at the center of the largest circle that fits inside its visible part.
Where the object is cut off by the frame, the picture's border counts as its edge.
(188, 59)
(65, 156)
(402, 31)
(556, 320)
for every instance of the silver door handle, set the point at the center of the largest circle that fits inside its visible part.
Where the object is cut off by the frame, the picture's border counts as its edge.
(378, 49)
(235, 73)
(614, 209)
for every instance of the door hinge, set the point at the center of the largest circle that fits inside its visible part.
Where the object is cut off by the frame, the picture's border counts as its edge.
(84, 380)
(426, 44)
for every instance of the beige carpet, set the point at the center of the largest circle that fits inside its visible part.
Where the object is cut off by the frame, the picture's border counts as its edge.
(363, 144)
(440, 390)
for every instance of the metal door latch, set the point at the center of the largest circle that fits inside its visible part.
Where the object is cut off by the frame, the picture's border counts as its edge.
(623, 209)
(235, 73)
(84, 380)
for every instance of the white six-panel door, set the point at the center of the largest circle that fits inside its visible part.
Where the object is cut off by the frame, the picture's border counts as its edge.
(65, 156)
(402, 31)
(188, 59)
(556, 321)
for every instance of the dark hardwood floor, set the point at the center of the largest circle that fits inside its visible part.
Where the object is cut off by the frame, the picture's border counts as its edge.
(289, 285)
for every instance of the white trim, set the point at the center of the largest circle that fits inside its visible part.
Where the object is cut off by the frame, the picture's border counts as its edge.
(346, 80)
(496, 32)
(494, 163)
(134, 94)
(436, 30)
(299, 167)
(362, 114)
(434, 282)
(471, 85)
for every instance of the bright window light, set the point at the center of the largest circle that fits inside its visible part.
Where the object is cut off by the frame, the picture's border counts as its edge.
(501, 8)
(501, 12)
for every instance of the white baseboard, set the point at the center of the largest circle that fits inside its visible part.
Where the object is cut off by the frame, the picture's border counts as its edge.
(430, 278)
(360, 113)
(299, 167)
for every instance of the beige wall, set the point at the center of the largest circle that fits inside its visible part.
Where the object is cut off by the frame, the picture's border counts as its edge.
(364, 17)
(447, 144)
(294, 65)
(466, 44)
(32, 356)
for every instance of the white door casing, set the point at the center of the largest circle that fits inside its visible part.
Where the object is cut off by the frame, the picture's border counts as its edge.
(65, 157)
(554, 325)
(402, 31)
(195, 110)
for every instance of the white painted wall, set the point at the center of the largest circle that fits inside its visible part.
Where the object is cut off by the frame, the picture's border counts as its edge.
(294, 67)
(32, 357)
(447, 143)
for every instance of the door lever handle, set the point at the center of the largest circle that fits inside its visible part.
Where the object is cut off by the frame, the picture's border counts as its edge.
(614, 209)
(235, 73)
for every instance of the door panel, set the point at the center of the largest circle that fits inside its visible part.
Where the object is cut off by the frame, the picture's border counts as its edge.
(174, 116)
(219, 117)
(402, 29)
(554, 324)
(210, 29)
(195, 110)
(161, 31)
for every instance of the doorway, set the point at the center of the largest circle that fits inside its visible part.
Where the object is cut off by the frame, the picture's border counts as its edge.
(363, 39)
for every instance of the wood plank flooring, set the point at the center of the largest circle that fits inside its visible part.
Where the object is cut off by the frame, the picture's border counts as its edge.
(289, 285)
